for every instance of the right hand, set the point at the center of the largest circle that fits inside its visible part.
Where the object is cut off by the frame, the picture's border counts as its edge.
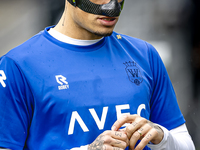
(110, 140)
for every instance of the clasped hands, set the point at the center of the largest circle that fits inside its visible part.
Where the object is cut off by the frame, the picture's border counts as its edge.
(138, 129)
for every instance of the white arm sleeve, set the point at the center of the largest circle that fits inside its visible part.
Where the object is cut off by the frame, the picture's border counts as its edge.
(76, 148)
(80, 148)
(175, 139)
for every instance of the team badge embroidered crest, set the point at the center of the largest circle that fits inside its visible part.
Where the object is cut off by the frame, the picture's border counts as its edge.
(133, 72)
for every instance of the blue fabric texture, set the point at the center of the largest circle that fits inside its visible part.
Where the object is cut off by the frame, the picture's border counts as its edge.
(59, 96)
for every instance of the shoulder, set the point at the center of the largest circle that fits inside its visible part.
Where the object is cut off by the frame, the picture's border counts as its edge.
(134, 45)
(137, 43)
(31, 49)
(25, 47)
(126, 37)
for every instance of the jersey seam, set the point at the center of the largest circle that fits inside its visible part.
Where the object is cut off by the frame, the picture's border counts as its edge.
(151, 68)
(22, 73)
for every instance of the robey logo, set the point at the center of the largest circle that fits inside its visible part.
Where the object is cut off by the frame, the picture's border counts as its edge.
(2, 78)
(62, 81)
(100, 122)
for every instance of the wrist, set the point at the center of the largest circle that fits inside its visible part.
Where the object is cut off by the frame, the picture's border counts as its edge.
(160, 136)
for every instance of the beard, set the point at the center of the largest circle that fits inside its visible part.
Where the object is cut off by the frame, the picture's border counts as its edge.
(103, 34)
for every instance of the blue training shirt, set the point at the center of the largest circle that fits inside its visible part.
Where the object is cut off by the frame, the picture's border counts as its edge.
(58, 96)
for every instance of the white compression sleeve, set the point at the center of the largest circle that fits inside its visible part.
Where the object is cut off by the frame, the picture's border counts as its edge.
(175, 139)
(80, 148)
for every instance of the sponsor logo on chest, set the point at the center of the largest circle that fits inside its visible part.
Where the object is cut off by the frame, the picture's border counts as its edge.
(75, 116)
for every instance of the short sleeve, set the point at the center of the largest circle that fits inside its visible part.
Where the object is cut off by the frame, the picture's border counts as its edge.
(164, 106)
(15, 105)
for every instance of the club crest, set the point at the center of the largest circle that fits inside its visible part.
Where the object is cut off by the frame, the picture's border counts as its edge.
(133, 72)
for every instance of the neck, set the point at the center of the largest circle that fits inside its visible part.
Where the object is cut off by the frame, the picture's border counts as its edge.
(68, 27)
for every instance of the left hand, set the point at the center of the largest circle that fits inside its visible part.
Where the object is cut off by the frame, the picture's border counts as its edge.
(139, 129)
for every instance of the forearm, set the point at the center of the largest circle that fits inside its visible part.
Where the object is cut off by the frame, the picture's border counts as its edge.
(176, 139)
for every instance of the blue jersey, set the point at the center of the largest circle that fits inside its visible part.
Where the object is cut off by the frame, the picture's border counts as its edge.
(58, 96)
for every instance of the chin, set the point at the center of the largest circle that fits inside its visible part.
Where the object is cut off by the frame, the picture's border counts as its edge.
(103, 33)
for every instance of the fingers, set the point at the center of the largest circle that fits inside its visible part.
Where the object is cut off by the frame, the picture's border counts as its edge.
(108, 147)
(140, 134)
(137, 124)
(122, 120)
(139, 129)
(110, 140)
(145, 140)
(118, 139)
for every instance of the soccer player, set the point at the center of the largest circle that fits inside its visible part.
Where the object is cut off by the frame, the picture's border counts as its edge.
(79, 85)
